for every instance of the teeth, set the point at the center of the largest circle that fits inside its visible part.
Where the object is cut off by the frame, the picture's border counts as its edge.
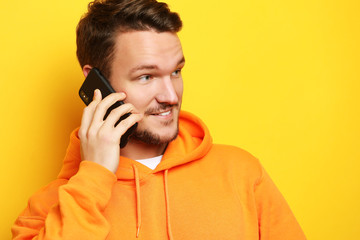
(165, 113)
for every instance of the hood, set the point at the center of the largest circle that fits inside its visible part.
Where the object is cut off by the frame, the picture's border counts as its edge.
(191, 144)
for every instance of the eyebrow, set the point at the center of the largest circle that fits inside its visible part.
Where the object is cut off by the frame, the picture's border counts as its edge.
(151, 67)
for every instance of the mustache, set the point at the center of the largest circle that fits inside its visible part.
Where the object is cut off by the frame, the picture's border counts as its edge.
(160, 107)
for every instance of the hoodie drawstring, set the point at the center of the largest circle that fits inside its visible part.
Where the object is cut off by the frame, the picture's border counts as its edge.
(138, 203)
(167, 205)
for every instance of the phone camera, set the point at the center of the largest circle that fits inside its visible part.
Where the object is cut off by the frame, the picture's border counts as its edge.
(84, 97)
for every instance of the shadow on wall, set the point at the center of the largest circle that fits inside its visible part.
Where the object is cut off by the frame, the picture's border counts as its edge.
(63, 110)
(67, 111)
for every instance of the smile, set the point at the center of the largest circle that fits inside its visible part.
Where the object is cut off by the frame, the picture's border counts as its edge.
(164, 113)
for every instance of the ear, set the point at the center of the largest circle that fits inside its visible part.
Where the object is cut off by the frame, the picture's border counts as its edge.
(86, 69)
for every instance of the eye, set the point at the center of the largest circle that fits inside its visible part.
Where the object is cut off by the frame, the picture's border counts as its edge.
(175, 73)
(145, 78)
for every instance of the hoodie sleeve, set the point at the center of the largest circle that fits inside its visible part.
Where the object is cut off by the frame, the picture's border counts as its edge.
(78, 213)
(276, 220)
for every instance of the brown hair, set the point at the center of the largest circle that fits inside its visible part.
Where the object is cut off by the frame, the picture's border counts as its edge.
(98, 28)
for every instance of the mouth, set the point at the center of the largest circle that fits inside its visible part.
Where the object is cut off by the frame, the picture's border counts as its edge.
(163, 113)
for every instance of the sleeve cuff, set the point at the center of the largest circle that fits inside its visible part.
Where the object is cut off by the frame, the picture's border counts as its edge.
(94, 179)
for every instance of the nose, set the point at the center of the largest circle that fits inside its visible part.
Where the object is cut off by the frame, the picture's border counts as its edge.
(167, 91)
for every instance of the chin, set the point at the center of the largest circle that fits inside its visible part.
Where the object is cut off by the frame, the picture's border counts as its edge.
(150, 136)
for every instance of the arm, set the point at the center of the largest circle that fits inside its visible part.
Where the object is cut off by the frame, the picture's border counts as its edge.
(276, 221)
(78, 212)
(76, 209)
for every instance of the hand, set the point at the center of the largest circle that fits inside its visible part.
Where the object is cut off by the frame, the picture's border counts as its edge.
(99, 138)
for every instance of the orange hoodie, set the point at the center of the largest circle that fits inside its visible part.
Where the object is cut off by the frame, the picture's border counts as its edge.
(199, 190)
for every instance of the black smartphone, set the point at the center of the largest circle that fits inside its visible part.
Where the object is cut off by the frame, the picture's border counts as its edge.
(95, 80)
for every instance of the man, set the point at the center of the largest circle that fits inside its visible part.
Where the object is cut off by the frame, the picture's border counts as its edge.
(170, 182)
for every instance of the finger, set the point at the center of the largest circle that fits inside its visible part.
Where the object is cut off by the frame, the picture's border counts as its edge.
(88, 114)
(127, 123)
(117, 113)
(104, 105)
(97, 95)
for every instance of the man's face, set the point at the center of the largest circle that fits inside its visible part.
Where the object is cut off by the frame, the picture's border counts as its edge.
(147, 67)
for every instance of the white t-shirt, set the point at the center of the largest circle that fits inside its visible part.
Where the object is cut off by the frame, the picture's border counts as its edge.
(151, 162)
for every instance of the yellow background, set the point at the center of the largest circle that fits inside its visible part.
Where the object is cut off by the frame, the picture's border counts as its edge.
(278, 78)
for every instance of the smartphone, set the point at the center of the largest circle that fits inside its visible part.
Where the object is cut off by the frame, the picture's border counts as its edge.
(95, 80)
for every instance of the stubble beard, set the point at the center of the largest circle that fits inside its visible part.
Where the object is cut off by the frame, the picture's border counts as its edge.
(151, 138)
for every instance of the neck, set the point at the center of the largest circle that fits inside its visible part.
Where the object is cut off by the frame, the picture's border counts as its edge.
(138, 150)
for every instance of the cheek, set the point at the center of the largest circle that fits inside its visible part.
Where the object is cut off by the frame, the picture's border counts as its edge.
(179, 88)
(139, 99)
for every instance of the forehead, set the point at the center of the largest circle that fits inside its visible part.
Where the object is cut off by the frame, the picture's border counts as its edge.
(147, 47)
